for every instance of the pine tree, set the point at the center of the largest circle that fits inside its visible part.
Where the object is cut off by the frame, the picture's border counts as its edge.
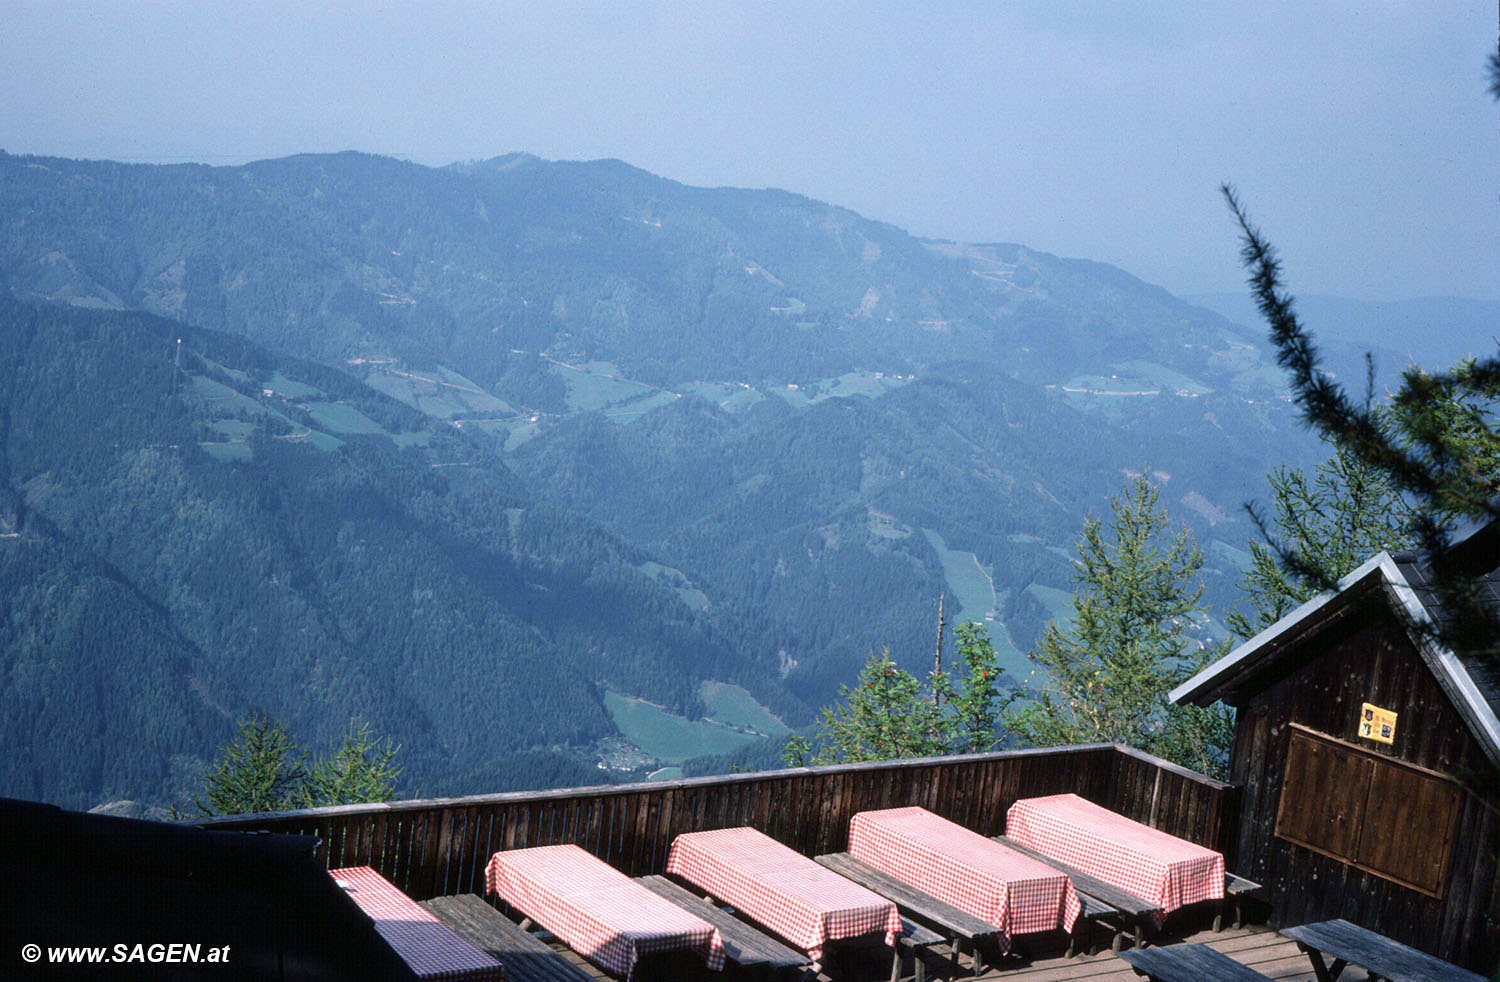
(360, 770)
(257, 771)
(887, 715)
(261, 770)
(1441, 451)
(1345, 513)
(890, 713)
(975, 705)
(1107, 672)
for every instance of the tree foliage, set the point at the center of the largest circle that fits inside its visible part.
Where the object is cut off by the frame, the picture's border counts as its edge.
(1441, 451)
(262, 770)
(890, 714)
(1106, 674)
(1335, 519)
(975, 704)
(361, 769)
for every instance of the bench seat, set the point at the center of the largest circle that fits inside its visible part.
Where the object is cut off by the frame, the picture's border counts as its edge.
(526, 957)
(1121, 909)
(744, 944)
(951, 923)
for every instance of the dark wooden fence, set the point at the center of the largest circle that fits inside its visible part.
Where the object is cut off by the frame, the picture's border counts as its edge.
(440, 846)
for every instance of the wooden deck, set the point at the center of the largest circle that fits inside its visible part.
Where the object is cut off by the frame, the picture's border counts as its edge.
(1253, 945)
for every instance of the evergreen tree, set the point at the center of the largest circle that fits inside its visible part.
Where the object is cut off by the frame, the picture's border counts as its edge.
(1345, 513)
(1442, 451)
(975, 705)
(887, 715)
(359, 770)
(1107, 673)
(259, 770)
(891, 714)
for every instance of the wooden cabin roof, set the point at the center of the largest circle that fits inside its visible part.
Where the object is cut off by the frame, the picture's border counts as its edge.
(1403, 583)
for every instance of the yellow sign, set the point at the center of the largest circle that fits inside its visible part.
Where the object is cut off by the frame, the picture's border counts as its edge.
(1377, 724)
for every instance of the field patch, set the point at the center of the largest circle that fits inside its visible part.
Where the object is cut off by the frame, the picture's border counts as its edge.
(1165, 378)
(669, 738)
(966, 578)
(342, 418)
(441, 394)
(732, 397)
(590, 388)
(734, 706)
(626, 413)
(290, 388)
(322, 440)
(846, 386)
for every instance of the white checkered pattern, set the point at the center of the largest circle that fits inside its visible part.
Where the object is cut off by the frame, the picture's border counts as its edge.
(1147, 862)
(427, 945)
(595, 909)
(1016, 893)
(780, 888)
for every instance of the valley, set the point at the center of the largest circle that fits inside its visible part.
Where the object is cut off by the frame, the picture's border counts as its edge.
(480, 457)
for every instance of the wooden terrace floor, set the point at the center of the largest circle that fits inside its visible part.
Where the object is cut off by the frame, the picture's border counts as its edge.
(1254, 945)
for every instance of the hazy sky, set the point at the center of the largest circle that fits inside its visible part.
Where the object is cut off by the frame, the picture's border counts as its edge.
(1360, 135)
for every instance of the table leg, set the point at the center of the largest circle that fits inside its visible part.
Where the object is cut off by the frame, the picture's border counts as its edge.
(1320, 969)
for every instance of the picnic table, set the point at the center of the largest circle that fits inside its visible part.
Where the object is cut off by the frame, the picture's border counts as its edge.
(781, 889)
(1148, 863)
(429, 947)
(596, 910)
(1350, 944)
(979, 876)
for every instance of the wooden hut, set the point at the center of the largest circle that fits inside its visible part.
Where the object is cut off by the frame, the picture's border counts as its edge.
(1368, 755)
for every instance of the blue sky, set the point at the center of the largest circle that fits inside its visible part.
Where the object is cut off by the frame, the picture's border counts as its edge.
(1361, 136)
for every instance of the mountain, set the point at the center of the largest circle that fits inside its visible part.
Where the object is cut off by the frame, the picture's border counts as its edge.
(1433, 332)
(479, 452)
(190, 537)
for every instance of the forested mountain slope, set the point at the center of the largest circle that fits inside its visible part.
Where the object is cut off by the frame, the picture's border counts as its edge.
(182, 546)
(797, 426)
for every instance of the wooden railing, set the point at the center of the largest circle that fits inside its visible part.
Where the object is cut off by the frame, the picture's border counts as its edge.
(440, 846)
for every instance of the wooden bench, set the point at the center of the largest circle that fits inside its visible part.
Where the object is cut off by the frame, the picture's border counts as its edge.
(1102, 902)
(1236, 889)
(951, 924)
(749, 947)
(1188, 963)
(526, 957)
(753, 950)
(1350, 944)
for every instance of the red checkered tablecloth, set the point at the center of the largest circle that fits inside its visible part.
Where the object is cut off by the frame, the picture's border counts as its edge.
(595, 909)
(780, 888)
(1014, 892)
(1147, 862)
(426, 944)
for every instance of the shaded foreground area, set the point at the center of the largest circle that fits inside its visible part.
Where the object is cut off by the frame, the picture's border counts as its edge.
(1253, 945)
